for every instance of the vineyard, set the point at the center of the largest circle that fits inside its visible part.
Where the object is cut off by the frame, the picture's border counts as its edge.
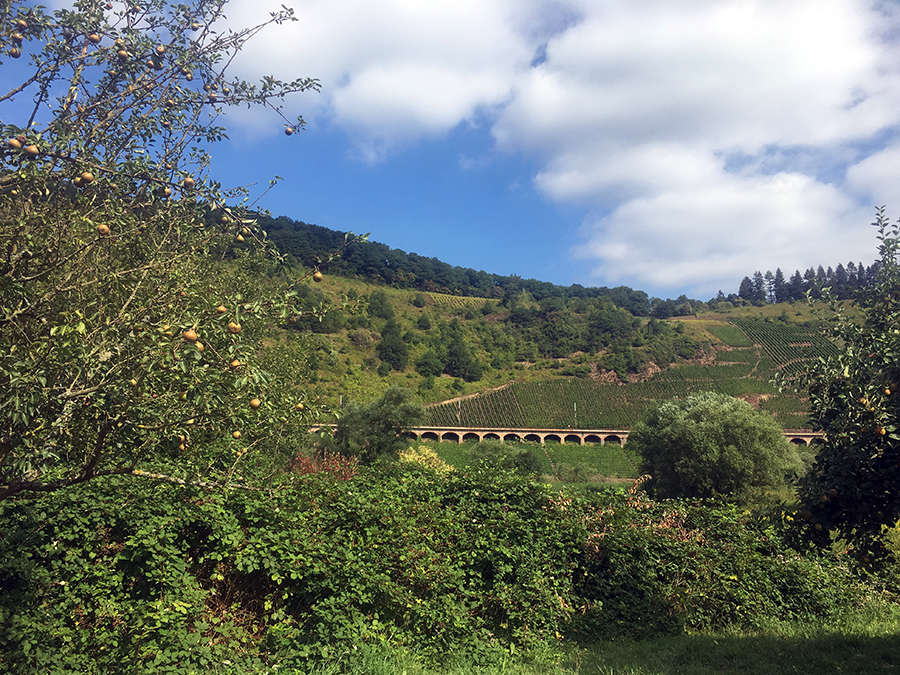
(455, 301)
(788, 345)
(752, 354)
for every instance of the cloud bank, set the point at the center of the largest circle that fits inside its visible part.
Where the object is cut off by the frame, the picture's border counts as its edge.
(701, 139)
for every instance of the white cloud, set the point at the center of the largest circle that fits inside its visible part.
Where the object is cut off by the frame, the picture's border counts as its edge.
(704, 138)
(395, 71)
(638, 108)
(704, 239)
(877, 178)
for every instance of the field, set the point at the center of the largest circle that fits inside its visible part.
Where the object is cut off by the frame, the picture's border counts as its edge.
(745, 356)
(591, 459)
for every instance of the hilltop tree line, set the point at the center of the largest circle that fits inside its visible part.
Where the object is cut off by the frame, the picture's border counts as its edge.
(768, 288)
(308, 245)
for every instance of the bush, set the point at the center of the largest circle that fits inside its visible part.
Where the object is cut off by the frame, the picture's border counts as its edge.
(712, 446)
(122, 575)
(376, 431)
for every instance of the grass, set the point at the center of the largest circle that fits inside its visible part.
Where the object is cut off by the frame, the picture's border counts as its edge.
(867, 641)
(603, 460)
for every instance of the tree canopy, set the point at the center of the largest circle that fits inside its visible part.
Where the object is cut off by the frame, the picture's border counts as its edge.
(127, 284)
(710, 445)
(375, 431)
(854, 397)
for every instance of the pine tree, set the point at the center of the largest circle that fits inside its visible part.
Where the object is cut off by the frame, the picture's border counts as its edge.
(779, 287)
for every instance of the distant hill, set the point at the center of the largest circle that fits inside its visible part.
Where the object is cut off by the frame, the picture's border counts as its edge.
(309, 244)
(537, 350)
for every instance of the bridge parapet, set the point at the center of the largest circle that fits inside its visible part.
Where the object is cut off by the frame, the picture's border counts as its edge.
(578, 436)
(563, 436)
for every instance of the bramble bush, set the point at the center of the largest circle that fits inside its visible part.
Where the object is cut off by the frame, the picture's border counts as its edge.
(126, 575)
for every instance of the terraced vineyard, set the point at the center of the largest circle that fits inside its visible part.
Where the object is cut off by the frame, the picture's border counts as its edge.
(788, 345)
(752, 353)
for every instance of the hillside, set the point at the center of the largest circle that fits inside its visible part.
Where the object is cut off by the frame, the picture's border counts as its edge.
(537, 363)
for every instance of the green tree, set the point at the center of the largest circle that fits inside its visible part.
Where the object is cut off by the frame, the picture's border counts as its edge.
(379, 305)
(711, 445)
(392, 349)
(854, 397)
(376, 431)
(127, 287)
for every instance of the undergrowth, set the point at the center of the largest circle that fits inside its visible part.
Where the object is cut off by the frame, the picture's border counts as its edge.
(126, 575)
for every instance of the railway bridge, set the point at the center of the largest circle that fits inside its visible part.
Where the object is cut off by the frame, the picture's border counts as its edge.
(577, 436)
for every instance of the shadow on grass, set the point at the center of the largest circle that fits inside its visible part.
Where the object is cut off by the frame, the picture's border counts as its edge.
(754, 655)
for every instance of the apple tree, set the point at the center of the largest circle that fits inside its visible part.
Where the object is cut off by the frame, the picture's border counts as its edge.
(854, 397)
(131, 300)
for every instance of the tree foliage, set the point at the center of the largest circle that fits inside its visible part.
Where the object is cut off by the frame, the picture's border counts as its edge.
(711, 445)
(127, 286)
(375, 431)
(854, 397)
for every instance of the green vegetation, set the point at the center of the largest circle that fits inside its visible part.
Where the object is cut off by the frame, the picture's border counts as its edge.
(712, 446)
(129, 318)
(164, 509)
(375, 431)
(127, 575)
(851, 490)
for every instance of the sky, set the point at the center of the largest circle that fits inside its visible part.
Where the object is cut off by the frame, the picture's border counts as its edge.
(674, 146)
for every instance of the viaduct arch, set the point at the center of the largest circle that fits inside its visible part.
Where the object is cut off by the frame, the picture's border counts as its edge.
(563, 436)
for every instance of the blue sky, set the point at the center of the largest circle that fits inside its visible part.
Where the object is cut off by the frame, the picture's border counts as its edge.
(673, 146)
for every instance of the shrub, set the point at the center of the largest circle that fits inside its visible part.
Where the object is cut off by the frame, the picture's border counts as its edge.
(712, 445)
(122, 575)
(331, 464)
(424, 456)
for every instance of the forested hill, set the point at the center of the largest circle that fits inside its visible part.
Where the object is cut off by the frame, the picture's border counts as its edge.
(309, 244)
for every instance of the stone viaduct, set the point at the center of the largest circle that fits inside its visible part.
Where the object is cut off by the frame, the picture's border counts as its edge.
(576, 436)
